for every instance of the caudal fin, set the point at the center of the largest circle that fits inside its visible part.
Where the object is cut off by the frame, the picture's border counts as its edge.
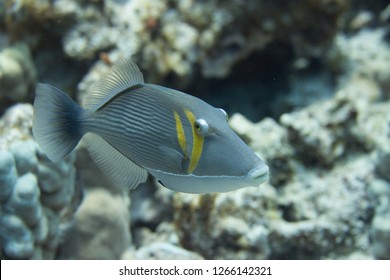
(56, 122)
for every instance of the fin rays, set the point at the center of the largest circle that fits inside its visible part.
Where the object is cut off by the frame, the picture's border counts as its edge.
(56, 122)
(124, 75)
(121, 170)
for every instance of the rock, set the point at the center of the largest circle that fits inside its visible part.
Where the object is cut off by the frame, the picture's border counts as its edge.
(24, 201)
(328, 195)
(99, 37)
(16, 238)
(101, 229)
(15, 124)
(17, 73)
(325, 213)
(381, 237)
(175, 37)
(165, 232)
(151, 204)
(383, 162)
(227, 225)
(25, 155)
(321, 134)
(380, 229)
(162, 251)
(310, 217)
(27, 205)
(364, 55)
(8, 174)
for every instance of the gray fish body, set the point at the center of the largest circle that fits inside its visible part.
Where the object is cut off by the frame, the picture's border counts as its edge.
(139, 128)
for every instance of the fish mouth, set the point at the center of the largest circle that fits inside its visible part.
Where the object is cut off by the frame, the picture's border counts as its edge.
(259, 174)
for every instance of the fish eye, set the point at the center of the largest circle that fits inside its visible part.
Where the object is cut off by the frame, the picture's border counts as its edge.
(202, 127)
(224, 112)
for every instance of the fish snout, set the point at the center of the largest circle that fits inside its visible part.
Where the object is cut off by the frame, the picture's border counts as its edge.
(258, 174)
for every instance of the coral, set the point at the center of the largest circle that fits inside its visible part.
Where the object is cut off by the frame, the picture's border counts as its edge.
(324, 161)
(325, 158)
(380, 229)
(381, 237)
(101, 229)
(85, 40)
(26, 19)
(36, 195)
(302, 219)
(213, 35)
(151, 204)
(328, 146)
(321, 133)
(175, 36)
(364, 54)
(16, 238)
(321, 214)
(311, 217)
(326, 131)
(8, 174)
(161, 251)
(383, 162)
(225, 226)
(17, 73)
(374, 130)
(24, 200)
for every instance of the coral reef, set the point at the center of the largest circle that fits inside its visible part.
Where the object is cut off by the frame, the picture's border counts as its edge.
(325, 137)
(224, 226)
(101, 229)
(328, 172)
(17, 74)
(380, 230)
(36, 195)
(175, 36)
(310, 216)
(363, 55)
(161, 251)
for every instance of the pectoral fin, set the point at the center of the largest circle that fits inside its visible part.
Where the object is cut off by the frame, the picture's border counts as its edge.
(120, 169)
(175, 160)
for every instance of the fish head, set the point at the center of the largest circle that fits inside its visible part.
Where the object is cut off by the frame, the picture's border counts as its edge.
(213, 158)
(225, 154)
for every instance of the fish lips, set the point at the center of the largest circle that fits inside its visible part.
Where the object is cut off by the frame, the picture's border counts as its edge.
(258, 175)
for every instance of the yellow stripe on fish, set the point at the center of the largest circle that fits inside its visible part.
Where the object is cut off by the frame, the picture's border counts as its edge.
(181, 137)
(197, 142)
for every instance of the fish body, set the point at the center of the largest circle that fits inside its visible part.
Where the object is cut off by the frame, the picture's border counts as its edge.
(133, 129)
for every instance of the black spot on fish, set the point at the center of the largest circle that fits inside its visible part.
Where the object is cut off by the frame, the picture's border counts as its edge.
(159, 181)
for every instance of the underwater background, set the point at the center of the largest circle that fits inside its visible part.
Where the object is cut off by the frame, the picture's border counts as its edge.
(306, 84)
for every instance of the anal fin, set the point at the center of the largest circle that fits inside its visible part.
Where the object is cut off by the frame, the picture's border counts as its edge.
(117, 167)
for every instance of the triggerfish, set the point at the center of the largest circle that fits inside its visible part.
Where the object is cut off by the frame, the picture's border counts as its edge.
(133, 129)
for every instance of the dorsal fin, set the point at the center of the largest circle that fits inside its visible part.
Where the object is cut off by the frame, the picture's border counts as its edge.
(124, 74)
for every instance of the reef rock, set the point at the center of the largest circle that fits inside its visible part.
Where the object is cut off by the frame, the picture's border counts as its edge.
(300, 221)
(174, 37)
(328, 146)
(225, 226)
(36, 195)
(380, 230)
(17, 74)
(101, 229)
(161, 251)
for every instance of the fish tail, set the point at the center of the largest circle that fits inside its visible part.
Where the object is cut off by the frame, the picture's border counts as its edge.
(57, 122)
